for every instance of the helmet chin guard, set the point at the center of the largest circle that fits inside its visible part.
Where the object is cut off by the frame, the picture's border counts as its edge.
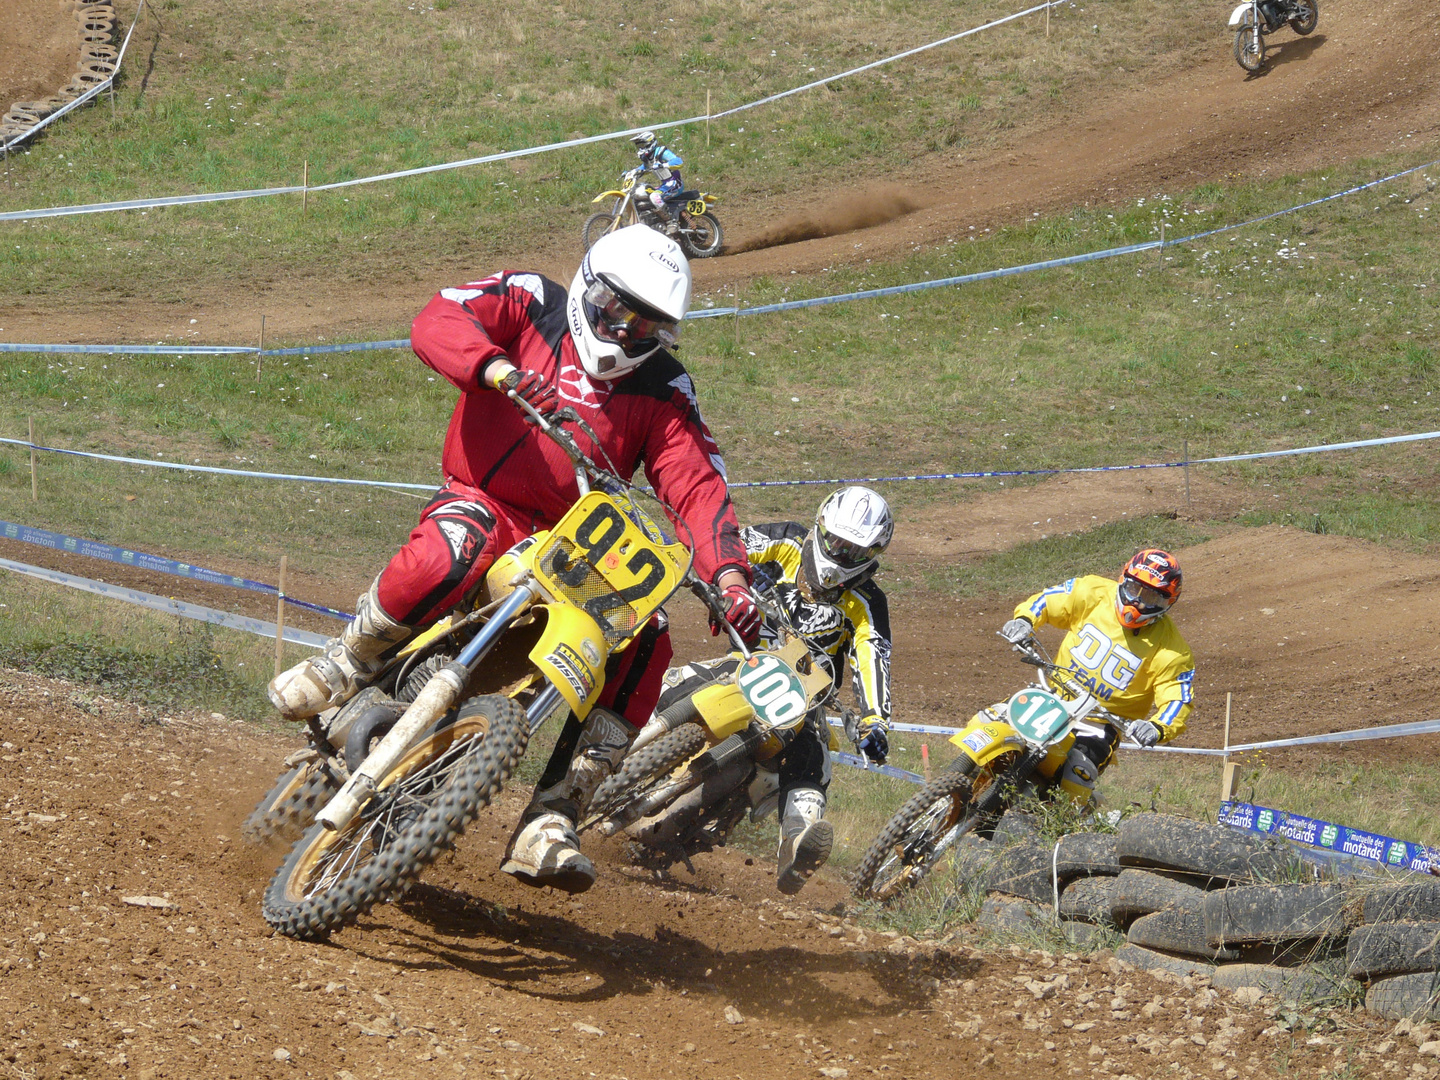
(633, 281)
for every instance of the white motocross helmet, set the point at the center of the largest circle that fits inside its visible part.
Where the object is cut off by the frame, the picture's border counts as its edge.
(627, 300)
(853, 527)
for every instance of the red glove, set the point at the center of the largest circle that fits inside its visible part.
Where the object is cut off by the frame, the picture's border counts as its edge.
(531, 386)
(740, 612)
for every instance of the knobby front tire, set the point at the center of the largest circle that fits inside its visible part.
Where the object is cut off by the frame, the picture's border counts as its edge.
(420, 808)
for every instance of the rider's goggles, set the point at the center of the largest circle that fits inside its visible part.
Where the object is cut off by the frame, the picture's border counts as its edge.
(610, 315)
(1143, 597)
(846, 552)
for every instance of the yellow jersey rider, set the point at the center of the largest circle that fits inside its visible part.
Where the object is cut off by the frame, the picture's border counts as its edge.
(1123, 645)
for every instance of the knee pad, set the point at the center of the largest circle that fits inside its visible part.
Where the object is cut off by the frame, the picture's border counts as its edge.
(1078, 776)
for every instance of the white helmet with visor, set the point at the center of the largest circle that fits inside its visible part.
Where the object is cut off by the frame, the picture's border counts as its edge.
(627, 300)
(851, 530)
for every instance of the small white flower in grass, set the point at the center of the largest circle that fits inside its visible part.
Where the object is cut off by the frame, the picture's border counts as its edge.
(160, 386)
(314, 457)
(795, 399)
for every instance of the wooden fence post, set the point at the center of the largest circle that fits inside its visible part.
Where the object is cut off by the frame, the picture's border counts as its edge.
(280, 619)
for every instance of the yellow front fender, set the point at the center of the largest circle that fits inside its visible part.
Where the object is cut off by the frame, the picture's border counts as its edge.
(608, 195)
(723, 708)
(983, 742)
(571, 653)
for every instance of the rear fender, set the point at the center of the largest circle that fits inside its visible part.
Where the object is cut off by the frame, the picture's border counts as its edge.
(571, 654)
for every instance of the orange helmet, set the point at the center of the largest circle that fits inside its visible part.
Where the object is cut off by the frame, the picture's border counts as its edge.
(1149, 584)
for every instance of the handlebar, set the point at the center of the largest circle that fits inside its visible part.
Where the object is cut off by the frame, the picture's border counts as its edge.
(1033, 653)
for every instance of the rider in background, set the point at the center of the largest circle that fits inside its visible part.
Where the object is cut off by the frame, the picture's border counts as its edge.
(598, 348)
(665, 164)
(1122, 644)
(822, 579)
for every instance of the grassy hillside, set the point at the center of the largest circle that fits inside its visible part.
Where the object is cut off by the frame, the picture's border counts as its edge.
(240, 95)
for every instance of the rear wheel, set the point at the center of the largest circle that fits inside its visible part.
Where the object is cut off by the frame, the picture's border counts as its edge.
(918, 835)
(1249, 48)
(1308, 18)
(703, 238)
(289, 808)
(419, 809)
(596, 226)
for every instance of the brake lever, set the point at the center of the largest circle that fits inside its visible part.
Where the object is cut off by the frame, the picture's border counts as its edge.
(709, 596)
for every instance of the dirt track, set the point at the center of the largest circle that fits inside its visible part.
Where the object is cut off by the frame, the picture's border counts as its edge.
(474, 973)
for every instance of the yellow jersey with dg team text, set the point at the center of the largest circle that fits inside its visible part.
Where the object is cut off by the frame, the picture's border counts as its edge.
(1130, 671)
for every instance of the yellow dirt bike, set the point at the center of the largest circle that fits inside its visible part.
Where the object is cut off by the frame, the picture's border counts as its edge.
(697, 230)
(710, 755)
(455, 708)
(1007, 752)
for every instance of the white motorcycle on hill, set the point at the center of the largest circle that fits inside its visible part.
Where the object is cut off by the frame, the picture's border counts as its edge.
(1253, 19)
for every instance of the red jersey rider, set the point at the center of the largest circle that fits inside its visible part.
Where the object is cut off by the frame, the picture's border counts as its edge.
(598, 348)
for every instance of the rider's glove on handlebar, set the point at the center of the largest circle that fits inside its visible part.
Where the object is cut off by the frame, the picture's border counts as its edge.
(1017, 631)
(531, 386)
(1145, 733)
(740, 612)
(871, 740)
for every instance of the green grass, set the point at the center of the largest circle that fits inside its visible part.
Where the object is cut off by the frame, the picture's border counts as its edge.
(242, 95)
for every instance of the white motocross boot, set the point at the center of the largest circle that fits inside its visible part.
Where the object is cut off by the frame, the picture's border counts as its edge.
(544, 849)
(805, 839)
(337, 674)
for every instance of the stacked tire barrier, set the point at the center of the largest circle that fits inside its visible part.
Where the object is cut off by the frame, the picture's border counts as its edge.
(98, 57)
(1194, 899)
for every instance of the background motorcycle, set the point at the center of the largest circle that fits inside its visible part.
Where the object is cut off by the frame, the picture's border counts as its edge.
(699, 234)
(1007, 752)
(455, 708)
(705, 761)
(1253, 19)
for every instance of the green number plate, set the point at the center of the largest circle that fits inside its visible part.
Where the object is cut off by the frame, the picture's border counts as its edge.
(1038, 716)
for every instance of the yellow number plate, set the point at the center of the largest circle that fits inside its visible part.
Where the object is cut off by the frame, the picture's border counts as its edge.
(599, 560)
(695, 206)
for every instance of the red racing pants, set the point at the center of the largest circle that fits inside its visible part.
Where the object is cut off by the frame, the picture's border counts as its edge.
(460, 535)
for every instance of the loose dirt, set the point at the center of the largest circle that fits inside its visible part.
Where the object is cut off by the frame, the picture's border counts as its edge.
(645, 977)
(39, 45)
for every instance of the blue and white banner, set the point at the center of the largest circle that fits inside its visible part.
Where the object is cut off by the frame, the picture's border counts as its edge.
(1326, 835)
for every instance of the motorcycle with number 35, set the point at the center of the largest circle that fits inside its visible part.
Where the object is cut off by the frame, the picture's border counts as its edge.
(697, 229)
(406, 765)
(1254, 19)
(1008, 751)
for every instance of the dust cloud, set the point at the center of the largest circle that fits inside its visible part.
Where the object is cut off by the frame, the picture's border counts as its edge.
(843, 214)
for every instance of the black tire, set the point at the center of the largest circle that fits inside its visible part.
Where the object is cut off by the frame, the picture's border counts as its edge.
(1406, 997)
(704, 238)
(289, 808)
(1088, 900)
(1217, 852)
(1086, 854)
(640, 769)
(1258, 914)
(1249, 49)
(1398, 948)
(904, 851)
(596, 225)
(422, 805)
(1415, 902)
(1152, 960)
(1016, 826)
(1176, 931)
(1138, 893)
(1305, 24)
(1312, 984)
(1022, 870)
